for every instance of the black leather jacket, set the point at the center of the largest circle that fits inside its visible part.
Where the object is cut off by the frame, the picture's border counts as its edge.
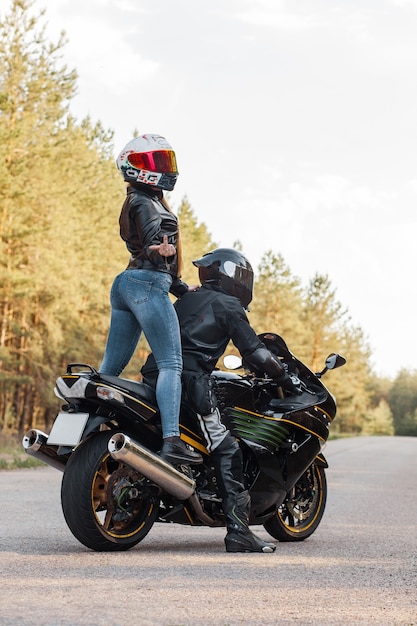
(144, 221)
(209, 318)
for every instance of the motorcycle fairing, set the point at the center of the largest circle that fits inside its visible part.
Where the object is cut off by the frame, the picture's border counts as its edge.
(266, 431)
(310, 422)
(321, 461)
(192, 438)
(137, 396)
(270, 487)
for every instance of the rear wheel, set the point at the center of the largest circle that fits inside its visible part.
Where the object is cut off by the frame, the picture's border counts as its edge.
(300, 514)
(107, 505)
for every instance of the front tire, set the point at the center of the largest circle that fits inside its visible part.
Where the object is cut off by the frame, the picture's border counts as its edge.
(107, 506)
(300, 514)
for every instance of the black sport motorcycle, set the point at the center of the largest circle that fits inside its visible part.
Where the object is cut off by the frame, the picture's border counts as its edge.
(115, 486)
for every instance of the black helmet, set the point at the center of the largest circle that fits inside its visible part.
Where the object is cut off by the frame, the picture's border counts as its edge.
(229, 270)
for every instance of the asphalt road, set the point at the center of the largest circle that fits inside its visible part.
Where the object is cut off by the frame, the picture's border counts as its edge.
(360, 566)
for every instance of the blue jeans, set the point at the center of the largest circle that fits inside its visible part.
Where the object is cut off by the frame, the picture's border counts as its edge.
(140, 302)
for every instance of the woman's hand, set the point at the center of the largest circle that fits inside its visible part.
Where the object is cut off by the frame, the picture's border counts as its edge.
(165, 249)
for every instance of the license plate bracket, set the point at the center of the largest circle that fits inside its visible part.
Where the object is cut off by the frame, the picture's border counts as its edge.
(67, 429)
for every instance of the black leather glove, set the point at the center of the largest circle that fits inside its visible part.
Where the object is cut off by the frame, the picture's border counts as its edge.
(290, 383)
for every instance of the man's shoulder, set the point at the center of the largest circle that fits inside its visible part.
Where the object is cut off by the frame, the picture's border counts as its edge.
(202, 296)
(213, 294)
(218, 294)
(217, 299)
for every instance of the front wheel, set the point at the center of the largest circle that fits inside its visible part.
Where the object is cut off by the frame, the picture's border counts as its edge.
(107, 505)
(300, 514)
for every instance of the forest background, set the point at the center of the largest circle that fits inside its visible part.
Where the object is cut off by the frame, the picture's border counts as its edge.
(60, 196)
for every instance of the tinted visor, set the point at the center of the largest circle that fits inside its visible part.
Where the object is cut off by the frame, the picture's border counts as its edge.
(158, 161)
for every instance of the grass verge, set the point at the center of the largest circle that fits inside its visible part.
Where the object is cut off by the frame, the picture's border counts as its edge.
(13, 456)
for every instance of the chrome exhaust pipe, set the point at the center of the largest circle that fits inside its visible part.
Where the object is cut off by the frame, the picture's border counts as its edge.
(35, 444)
(124, 449)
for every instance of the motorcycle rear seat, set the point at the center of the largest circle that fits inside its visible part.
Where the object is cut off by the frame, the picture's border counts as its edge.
(138, 389)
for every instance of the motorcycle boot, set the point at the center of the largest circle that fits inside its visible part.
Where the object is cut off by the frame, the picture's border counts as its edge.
(175, 451)
(239, 537)
(227, 461)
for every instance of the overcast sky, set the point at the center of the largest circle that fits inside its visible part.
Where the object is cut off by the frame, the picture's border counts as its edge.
(294, 125)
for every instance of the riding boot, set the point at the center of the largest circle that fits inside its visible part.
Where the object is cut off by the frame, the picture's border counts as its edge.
(176, 452)
(227, 461)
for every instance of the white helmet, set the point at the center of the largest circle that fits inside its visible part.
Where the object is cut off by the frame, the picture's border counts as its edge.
(149, 159)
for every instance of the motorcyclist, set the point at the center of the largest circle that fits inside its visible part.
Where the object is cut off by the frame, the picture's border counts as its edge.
(139, 295)
(209, 318)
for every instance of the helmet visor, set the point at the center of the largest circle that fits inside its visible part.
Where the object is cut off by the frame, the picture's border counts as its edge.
(157, 161)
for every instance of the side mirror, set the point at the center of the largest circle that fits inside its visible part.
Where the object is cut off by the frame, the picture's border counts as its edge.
(232, 362)
(333, 360)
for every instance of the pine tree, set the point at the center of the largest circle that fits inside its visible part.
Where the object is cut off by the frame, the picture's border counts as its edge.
(277, 302)
(379, 420)
(328, 329)
(58, 256)
(60, 199)
(196, 240)
(322, 315)
(402, 399)
(34, 99)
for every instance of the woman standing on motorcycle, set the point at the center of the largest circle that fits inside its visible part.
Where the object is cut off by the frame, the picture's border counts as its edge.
(139, 295)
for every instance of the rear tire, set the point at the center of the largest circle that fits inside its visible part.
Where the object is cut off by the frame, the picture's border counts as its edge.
(300, 514)
(107, 506)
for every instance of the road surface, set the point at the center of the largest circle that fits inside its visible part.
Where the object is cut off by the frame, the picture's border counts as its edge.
(360, 566)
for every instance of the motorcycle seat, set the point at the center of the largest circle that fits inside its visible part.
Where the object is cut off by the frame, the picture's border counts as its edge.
(138, 389)
(220, 375)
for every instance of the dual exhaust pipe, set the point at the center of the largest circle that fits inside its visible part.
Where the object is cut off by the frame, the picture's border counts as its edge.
(124, 449)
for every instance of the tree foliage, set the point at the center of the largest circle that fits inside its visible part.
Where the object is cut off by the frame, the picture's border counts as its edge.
(60, 198)
(379, 420)
(56, 189)
(196, 239)
(402, 398)
(277, 296)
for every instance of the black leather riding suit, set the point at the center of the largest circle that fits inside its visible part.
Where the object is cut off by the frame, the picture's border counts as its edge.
(209, 319)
